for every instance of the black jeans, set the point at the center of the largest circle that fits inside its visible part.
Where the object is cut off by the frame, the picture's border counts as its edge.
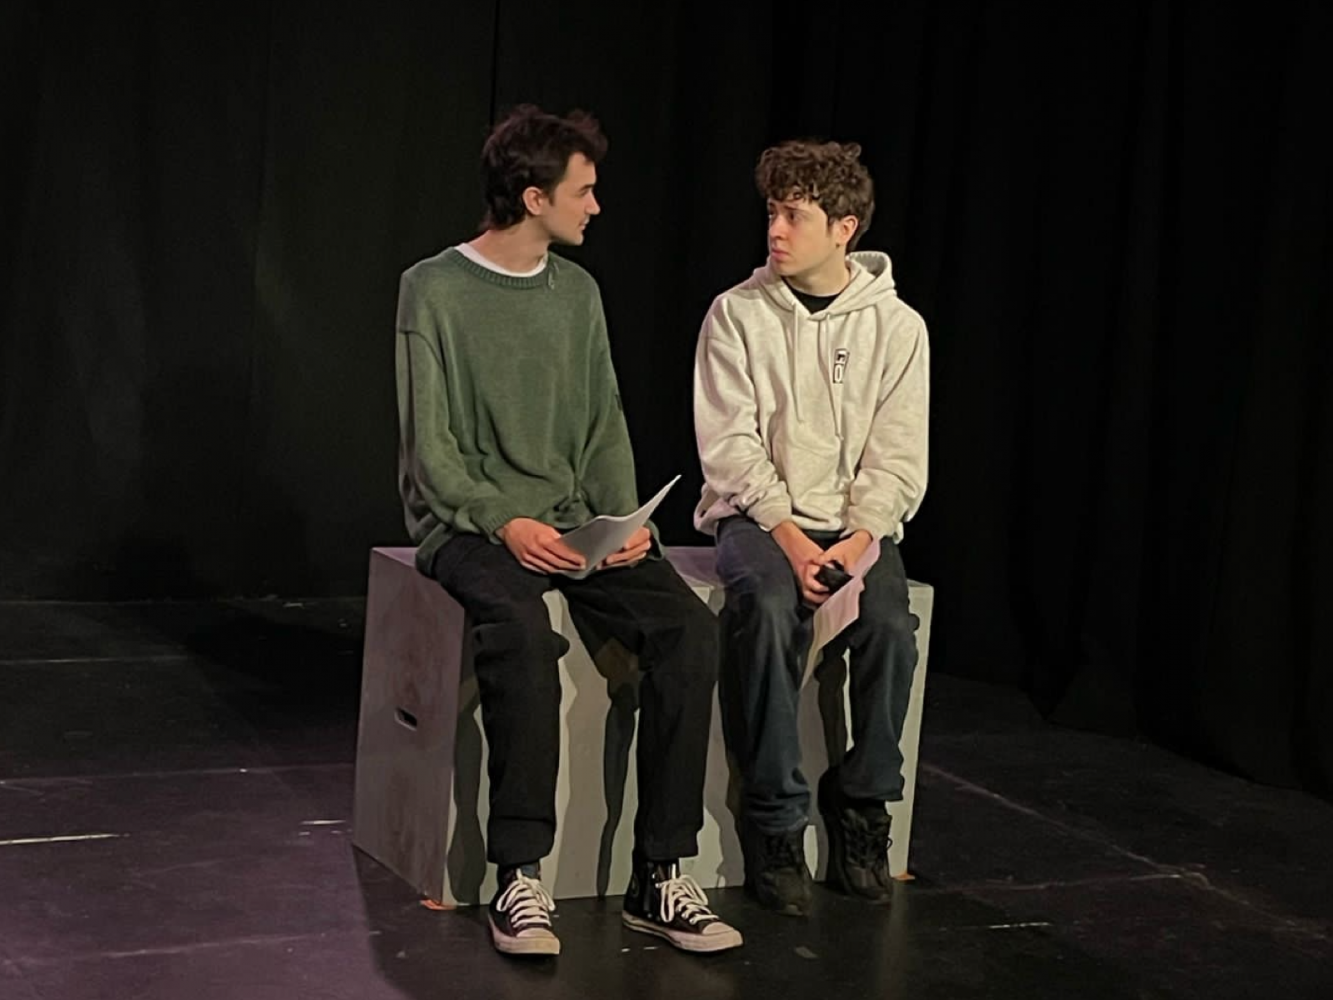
(653, 613)
(766, 634)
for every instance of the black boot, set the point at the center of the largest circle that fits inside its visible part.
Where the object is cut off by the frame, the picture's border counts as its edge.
(776, 874)
(858, 836)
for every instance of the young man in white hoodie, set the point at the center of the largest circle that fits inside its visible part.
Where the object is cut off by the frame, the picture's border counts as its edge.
(811, 409)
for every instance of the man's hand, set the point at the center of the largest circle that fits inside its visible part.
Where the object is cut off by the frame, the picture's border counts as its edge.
(538, 546)
(635, 549)
(848, 552)
(805, 557)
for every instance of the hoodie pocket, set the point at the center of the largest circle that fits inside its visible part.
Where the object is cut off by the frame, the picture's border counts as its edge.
(809, 465)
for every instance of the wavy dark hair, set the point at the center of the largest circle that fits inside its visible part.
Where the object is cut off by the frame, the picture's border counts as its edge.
(830, 174)
(531, 148)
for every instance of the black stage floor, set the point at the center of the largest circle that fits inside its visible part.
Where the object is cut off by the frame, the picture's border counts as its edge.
(199, 758)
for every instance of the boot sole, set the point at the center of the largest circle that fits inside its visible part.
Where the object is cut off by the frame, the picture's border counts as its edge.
(535, 947)
(782, 909)
(698, 943)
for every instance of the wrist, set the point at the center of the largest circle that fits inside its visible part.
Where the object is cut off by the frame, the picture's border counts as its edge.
(861, 537)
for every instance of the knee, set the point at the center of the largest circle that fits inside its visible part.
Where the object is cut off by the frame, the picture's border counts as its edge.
(697, 619)
(690, 646)
(525, 634)
(765, 604)
(678, 637)
(890, 620)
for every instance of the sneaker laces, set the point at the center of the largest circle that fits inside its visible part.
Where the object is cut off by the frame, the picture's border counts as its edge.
(682, 896)
(527, 902)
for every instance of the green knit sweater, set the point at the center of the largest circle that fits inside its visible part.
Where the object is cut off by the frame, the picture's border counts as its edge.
(507, 401)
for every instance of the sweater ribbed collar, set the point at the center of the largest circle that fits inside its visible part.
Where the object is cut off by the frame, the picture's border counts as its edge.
(545, 278)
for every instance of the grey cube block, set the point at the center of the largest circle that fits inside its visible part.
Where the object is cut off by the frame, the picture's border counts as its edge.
(421, 787)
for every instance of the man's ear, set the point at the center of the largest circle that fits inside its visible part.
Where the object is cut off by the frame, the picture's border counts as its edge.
(534, 200)
(845, 228)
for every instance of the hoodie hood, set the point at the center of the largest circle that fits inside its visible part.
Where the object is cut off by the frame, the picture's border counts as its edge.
(871, 280)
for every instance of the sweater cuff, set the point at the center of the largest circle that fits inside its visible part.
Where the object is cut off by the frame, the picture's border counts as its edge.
(768, 514)
(860, 519)
(491, 517)
(655, 549)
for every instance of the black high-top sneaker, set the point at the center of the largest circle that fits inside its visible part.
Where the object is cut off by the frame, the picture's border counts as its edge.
(858, 837)
(776, 875)
(664, 902)
(520, 914)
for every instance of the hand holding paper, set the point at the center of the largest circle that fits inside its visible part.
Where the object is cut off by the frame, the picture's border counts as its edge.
(538, 546)
(632, 551)
(606, 534)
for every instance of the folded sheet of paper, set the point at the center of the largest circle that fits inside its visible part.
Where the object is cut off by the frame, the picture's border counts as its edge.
(607, 534)
(840, 610)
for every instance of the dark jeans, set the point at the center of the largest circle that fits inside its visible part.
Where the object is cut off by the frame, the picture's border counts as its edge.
(653, 613)
(766, 635)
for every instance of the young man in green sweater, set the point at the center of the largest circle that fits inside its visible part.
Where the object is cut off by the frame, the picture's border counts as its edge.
(511, 433)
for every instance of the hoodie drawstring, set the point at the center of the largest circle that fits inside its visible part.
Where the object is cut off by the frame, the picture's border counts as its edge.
(794, 346)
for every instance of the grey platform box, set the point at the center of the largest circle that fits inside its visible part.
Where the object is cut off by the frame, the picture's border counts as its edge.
(421, 788)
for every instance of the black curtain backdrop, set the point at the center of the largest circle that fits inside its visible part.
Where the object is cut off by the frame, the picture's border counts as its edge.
(1116, 221)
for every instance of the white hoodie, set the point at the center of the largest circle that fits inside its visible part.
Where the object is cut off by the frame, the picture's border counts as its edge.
(816, 418)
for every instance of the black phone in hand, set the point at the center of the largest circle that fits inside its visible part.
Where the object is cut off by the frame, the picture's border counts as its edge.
(833, 576)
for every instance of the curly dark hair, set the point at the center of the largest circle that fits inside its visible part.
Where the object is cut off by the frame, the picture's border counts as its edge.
(830, 174)
(531, 148)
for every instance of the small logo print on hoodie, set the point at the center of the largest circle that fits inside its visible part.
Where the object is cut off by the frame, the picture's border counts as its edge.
(840, 357)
